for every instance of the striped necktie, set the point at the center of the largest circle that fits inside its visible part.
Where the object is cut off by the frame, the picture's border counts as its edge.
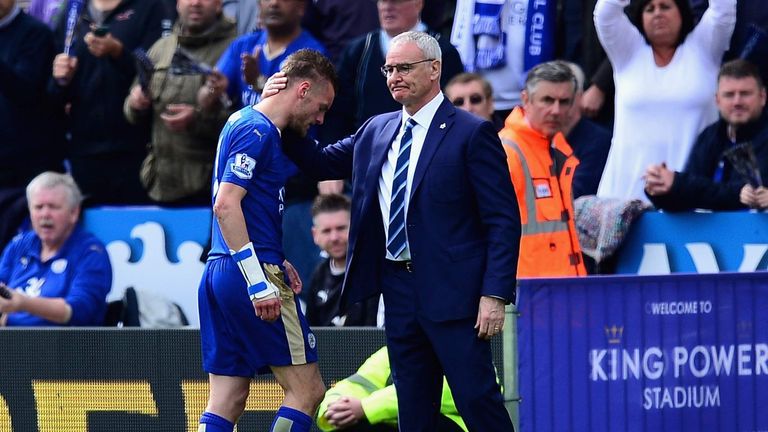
(397, 237)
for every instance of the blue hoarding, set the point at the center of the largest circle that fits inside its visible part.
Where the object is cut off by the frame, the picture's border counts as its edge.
(663, 243)
(653, 353)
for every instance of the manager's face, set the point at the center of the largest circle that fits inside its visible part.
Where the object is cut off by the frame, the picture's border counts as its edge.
(410, 75)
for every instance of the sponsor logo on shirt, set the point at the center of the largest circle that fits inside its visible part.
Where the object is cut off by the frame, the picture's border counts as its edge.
(34, 286)
(243, 166)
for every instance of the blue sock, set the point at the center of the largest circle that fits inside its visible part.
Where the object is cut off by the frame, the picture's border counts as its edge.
(291, 420)
(210, 422)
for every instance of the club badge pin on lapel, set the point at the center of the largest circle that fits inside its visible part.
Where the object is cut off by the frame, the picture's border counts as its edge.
(442, 125)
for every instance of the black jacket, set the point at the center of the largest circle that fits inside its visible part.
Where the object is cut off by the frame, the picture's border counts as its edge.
(30, 135)
(100, 84)
(363, 90)
(695, 187)
(324, 301)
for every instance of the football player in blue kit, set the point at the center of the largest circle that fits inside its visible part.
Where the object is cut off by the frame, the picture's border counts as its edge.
(250, 321)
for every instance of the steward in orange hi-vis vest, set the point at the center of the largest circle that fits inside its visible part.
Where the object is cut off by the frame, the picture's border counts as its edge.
(542, 173)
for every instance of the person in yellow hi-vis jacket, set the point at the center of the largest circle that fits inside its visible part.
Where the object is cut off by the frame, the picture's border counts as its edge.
(367, 402)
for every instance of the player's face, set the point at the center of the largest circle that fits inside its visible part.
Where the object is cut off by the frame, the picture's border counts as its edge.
(412, 81)
(331, 232)
(740, 100)
(53, 217)
(546, 108)
(311, 108)
(197, 15)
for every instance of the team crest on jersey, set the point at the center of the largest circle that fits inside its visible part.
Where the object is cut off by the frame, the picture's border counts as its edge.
(243, 166)
(311, 340)
(59, 265)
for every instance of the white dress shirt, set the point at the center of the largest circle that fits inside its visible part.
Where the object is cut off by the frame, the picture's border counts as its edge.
(423, 119)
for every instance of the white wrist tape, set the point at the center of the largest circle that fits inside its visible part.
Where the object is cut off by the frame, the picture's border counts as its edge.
(258, 287)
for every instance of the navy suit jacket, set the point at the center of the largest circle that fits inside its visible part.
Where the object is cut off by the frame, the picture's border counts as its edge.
(463, 222)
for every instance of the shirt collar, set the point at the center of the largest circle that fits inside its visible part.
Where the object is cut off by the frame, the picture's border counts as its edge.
(37, 245)
(425, 115)
(5, 22)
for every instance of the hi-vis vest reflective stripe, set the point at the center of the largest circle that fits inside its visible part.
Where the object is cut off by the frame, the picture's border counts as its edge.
(547, 247)
(533, 226)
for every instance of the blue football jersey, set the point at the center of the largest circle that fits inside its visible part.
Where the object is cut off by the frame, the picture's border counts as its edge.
(249, 154)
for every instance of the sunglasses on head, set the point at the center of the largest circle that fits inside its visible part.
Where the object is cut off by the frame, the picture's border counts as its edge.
(474, 99)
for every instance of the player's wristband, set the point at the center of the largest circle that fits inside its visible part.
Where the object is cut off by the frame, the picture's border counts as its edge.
(250, 267)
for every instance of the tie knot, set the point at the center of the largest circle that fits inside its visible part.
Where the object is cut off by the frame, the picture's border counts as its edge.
(410, 123)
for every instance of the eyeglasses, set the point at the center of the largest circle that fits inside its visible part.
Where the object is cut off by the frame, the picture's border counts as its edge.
(474, 99)
(402, 68)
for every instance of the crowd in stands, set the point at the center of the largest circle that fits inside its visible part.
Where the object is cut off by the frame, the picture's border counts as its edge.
(76, 96)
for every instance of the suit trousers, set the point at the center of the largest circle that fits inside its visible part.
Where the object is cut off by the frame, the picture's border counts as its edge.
(421, 351)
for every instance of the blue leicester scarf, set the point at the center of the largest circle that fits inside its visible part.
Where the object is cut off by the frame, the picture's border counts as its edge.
(539, 32)
(490, 40)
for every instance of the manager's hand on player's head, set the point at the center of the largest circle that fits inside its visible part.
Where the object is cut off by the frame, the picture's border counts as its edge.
(278, 81)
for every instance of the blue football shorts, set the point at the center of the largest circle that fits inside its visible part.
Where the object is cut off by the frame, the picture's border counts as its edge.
(234, 341)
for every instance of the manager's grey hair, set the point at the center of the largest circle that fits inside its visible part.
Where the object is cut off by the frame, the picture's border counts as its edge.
(426, 43)
(50, 180)
(553, 71)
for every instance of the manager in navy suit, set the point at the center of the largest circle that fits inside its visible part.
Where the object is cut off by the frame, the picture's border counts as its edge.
(435, 227)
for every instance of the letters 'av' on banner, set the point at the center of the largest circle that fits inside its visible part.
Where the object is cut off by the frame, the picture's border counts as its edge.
(653, 353)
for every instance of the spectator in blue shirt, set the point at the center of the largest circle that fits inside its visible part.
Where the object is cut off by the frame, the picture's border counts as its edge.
(244, 67)
(58, 274)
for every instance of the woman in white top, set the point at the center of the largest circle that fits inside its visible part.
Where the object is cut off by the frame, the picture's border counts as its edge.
(665, 72)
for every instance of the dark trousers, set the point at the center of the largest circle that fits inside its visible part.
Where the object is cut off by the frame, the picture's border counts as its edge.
(444, 424)
(421, 351)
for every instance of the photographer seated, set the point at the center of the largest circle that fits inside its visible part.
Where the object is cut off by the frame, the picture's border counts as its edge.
(367, 402)
(56, 274)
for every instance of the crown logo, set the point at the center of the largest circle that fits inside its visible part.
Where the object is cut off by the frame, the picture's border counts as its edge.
(614, 334)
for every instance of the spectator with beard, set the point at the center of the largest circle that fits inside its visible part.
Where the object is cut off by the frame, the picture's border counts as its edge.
(185, 122)
(709, 180)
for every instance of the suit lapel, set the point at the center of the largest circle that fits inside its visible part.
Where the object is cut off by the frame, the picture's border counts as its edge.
(379, 148)
(438, 129)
